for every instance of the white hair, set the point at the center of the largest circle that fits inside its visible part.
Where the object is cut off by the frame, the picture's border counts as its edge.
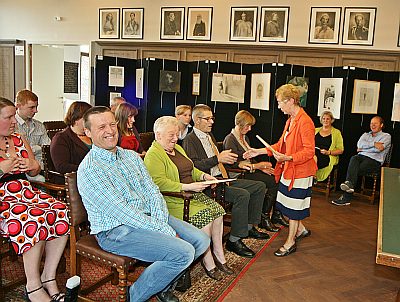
(162, 122)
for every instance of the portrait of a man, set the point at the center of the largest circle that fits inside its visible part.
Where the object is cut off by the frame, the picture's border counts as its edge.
(172, 23)
(132, 26)
(132, 23)
(199, 23)
(359, 28)
(170, 81)
(273, 25)
(199, 27)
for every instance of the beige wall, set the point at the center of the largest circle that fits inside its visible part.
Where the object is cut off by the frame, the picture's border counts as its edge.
(34, 22)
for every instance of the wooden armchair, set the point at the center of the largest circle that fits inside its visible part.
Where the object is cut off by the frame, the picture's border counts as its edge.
(53, 127)
(146, 138)
(329, 185)
(82, 244)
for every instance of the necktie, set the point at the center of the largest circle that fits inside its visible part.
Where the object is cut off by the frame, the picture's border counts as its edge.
(220, 165)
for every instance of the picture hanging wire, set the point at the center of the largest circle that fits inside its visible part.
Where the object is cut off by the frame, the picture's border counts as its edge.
(332, 72)
(208, 75)
(304, 70)
(274, 103)
(362, 115)
(241, 73)
(262, 71)
(291, 70)
(162, 92)
(197, 71)
(346, 82)
(116, 64)
(215, 103)
(177, 69)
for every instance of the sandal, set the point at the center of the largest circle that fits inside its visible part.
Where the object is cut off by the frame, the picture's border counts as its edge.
(57, 297)
(31, 292)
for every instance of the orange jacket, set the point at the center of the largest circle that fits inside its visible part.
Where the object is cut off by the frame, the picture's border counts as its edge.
(300, 144)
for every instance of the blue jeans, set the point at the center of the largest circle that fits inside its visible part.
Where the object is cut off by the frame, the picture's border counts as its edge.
(170, 255)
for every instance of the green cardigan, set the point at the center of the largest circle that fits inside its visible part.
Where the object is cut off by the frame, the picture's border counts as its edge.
(337, 143)
(166, 176)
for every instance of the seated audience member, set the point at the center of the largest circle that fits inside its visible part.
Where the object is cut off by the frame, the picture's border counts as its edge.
(173, 171)
(128, 214)
(33, 130)
(372, 148)
(328, 146)
(115, 102)
(32, 220)
(129, 136)
(69, 146)
(184, 115)
(247, 196)
(238, 142)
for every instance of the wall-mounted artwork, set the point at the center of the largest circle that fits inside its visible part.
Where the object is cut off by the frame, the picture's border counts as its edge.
(243, 26)
(260, 89)
(132, 23)
(359, 26)
(365, 97)
(396, 103)
(113, 95)
(324, 25)
(302, 84)
(196, 84)
(108, 23)
(116, 76)
(330, 96)
(274, 24)
(172, 23)
(139, 82)
(199, 23)
(228, 88)
(170, 81)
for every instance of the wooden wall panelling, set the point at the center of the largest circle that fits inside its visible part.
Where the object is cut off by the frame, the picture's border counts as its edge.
(162, 53)
(370, 61)
(121, 53)
(255, 57)
(201, 55)
(316, 59)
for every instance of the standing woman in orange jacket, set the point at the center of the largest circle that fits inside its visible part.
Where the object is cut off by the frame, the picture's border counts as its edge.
(295, 166)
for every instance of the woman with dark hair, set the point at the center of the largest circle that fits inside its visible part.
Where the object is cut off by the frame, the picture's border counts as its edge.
(33, 221)
(129, 136)
(69, 146)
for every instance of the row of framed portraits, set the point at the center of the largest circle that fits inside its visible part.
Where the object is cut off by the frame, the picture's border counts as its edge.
(324, 25)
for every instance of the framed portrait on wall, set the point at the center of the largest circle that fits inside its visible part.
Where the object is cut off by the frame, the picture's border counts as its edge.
(172, 23)
(260, 89)
(199, 23)
(274, 24)
(324, 25)
(396, 103)
(132, 23)
(365, 97)
(243, 25)
(359, 25)
(108, 23)
(398, 38)
(228, 87)
(330, 96)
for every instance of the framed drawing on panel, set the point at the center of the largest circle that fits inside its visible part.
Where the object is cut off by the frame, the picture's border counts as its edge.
(396, 103)
(132, 23)
(196, 84)
(108, 23)
(365, 97)
(324, 25)
(330, 96)
(260, 88)
(274, 24)
(359, 26)
(113, 95)
(172, 23)
(243, 26)
(228, 88)
(199, 23)
(170, 81)
(116, 76)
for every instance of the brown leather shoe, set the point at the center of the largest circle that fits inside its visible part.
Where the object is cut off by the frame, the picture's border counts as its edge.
(223, 267)
(213, 273)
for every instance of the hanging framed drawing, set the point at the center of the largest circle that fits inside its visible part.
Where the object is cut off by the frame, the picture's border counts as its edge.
(365, 97)
(330, 96)
(260, 90)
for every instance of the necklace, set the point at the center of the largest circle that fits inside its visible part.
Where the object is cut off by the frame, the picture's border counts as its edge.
(7, 147)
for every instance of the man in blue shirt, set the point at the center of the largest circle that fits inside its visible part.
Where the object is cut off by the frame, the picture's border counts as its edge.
(372, 148)
(128, 214)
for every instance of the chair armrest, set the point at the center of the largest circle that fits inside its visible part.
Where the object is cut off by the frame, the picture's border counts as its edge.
(60, 189)
(186, 196)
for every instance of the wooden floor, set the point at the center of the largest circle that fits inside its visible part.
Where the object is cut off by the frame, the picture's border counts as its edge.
(336, 263)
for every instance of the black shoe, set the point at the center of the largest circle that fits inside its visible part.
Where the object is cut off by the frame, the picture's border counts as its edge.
(304, 234)
(267, 224)
(347, 186)
(254, 233)
(239, 248)
(167, 296)
(341, 201)
(282, 251)
(184, 282)
(277, 218)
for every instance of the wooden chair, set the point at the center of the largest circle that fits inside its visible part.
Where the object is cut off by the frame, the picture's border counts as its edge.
(53, 127)
(329, 185)
(370, 194)
(50, 173)
(146, 138)
(82, 244)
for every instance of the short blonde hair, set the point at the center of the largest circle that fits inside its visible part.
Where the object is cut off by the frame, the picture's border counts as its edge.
(181, 109)
(244, 118)
(287, 92)
(162, 122)
(327, 112)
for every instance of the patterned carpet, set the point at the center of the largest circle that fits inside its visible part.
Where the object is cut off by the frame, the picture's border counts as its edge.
(203, 288)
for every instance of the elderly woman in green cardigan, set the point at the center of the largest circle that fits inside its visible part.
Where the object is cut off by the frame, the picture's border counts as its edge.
(328, 146)
(173, 171)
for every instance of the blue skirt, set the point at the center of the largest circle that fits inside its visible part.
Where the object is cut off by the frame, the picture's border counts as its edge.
(295, 204)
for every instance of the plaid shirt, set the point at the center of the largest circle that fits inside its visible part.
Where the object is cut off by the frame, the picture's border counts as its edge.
(116, 190)
(35, 133)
